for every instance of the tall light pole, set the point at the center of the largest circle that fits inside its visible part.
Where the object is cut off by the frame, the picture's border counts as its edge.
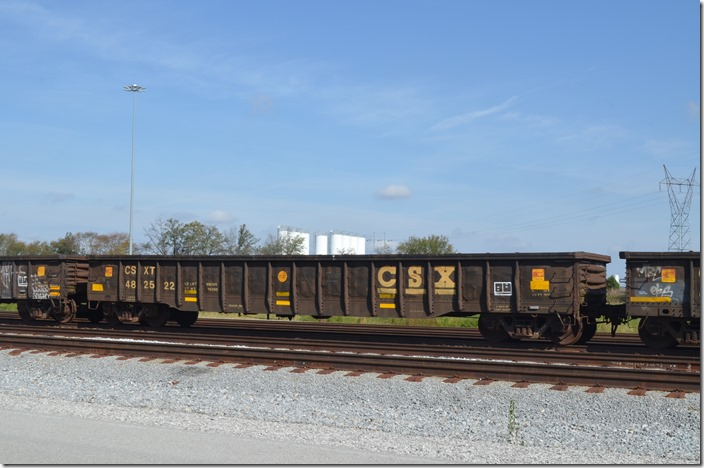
(133, 89)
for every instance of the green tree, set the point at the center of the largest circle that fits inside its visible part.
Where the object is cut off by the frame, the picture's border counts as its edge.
(172, 237)
(165, 237)
(116, 243)
(283, 246)
(430, 245)
(91, 243)
(37, 248)
(241, 241)
(70, 244)
(612, 282)
(201, 239)
(10, 245)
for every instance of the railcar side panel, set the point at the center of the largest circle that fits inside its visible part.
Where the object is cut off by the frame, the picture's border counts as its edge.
(332, 290)
(503, 291)
(360, 287)
(232, 287)
(166, 277)
(210, 295)
(474, 290)
(374, 285)
(306, 289)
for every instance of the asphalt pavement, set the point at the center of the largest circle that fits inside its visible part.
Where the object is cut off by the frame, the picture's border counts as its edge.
(27, 438)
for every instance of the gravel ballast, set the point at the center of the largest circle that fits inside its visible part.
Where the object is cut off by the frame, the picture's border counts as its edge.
(451, 423)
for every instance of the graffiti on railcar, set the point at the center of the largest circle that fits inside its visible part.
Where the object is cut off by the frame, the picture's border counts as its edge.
(648, 272)
(39, 288)
(6, 280)
(661, 282)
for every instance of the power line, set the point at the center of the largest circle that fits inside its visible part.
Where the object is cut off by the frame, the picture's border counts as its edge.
(588, 213)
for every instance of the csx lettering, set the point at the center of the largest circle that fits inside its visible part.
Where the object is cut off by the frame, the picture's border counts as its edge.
(415, 277)
(445, 281)
(383, 281)
(130, 269)
(387, 277)
(148, 270)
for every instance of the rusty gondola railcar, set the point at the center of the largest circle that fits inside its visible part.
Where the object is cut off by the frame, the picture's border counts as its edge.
(557, 296)
(44, 286)
(663, 290)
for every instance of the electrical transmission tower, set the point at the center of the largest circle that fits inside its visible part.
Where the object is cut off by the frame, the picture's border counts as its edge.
(680, 193)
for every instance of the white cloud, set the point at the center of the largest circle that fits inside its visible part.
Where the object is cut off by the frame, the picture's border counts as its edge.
(394, 191)
(463, 119)
(219, 216)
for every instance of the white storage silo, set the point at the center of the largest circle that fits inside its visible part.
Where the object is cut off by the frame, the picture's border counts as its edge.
(321, 244)
(347, 243)
(361, 245)
(336, 244)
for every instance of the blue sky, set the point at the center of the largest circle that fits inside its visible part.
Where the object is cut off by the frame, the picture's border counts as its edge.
(505, 125)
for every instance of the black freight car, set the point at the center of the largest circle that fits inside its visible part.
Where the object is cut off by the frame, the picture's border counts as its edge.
(44, 286)
(557, 296)
(663, 290)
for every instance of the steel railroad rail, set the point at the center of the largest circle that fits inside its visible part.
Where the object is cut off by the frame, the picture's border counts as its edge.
(596, 370)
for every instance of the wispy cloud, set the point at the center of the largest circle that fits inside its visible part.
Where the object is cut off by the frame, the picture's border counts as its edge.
(464, 119)
(50, 24)
(226, 73)
(530, 120)
(593, 137)
(222, 71)
(56, 198)
(391, 192)
(373, 105)
(693, 110)
(664, 148)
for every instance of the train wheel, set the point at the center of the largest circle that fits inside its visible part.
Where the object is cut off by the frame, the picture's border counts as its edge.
(186, 319)
(25, 311)
(65, 312)
(491, 329)
(96, 316)
(653, 331)
(568, 335)
(111, 312)
(154, 315)
(588, 332)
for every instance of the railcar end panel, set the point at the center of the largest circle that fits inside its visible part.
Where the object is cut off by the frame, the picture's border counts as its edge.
(663, 284)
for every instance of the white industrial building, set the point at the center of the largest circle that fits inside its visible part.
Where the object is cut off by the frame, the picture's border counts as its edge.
(332, 243)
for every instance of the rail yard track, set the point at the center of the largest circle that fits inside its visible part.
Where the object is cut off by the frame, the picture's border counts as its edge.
(388, 350)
